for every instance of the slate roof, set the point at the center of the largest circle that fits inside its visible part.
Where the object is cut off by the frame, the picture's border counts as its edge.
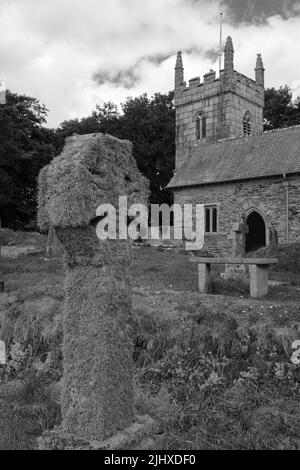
(268, 154)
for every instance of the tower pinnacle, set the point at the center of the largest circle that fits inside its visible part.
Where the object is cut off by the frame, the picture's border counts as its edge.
(179, 71)
(259, 71)
(229, 55)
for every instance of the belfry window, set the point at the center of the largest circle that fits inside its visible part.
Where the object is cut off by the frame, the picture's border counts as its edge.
(200, 127)
(247, 124)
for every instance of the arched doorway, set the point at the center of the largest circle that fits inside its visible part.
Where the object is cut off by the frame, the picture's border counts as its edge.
(256, 236)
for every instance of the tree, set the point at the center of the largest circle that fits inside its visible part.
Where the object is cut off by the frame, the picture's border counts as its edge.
(104, 119)
(149, 123)
(25, 147)
(279, 109)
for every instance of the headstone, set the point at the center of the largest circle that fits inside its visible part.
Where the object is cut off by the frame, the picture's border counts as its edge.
(97, 391)
(53, 248)
(2, 353)
(2, 92)
(203, 277)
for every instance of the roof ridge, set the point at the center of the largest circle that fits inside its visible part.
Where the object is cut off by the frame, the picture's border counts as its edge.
(269, 153)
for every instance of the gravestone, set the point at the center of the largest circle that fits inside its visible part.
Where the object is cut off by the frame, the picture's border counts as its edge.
(97, 395)
(2, 353)
(2, 92)
(53, 247)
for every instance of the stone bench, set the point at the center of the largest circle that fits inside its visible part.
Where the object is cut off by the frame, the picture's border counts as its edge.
(258, 268)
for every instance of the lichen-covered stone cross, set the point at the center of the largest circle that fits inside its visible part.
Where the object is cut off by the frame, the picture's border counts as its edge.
(97, 392)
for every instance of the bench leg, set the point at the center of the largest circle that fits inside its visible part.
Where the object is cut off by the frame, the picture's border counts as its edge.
(259, 281)
(203, 277)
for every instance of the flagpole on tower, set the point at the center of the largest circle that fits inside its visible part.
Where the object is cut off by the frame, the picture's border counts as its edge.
(220, 45)
(3, 102)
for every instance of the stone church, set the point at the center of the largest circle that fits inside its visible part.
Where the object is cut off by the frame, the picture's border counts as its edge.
(225, 161)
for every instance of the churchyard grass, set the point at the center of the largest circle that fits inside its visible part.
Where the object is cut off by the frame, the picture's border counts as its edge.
(215, 371)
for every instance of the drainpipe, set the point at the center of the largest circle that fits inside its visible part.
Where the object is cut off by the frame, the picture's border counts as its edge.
(287, 204)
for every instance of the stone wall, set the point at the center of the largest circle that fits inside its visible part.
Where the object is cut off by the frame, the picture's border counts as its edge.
(267, 196)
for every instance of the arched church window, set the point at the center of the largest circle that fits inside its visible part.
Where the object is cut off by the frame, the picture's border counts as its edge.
(200, 126)
(247, 123)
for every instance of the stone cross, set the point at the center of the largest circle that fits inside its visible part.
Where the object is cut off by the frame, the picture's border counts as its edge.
(49, 247)
(97, 392)
(238, 237)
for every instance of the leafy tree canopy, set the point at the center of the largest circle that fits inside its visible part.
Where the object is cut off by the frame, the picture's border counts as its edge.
(280, 111)
(25, 147)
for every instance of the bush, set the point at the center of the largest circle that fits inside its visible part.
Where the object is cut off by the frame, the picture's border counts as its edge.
(288, 255)
(7, 236)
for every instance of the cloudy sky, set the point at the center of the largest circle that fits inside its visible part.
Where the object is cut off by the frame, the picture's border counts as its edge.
(72, 54)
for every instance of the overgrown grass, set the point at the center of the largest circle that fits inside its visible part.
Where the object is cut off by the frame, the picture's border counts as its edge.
(215, 371)
(26, 410)
(214, 385)
(159, 268)
(288, 268)
(12, 238)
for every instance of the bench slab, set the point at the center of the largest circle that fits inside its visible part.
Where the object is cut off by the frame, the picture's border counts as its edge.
(258, 268)
(257, 261)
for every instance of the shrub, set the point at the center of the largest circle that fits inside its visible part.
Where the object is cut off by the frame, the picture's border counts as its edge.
(288, 255)
(7, 236)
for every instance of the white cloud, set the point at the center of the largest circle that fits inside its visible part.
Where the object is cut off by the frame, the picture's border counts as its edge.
(52, 49)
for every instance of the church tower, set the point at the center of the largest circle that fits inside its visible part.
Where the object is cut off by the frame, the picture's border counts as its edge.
(226, 107)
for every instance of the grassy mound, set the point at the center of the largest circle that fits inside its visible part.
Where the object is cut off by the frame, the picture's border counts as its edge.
(288, 268)
(288, 255)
